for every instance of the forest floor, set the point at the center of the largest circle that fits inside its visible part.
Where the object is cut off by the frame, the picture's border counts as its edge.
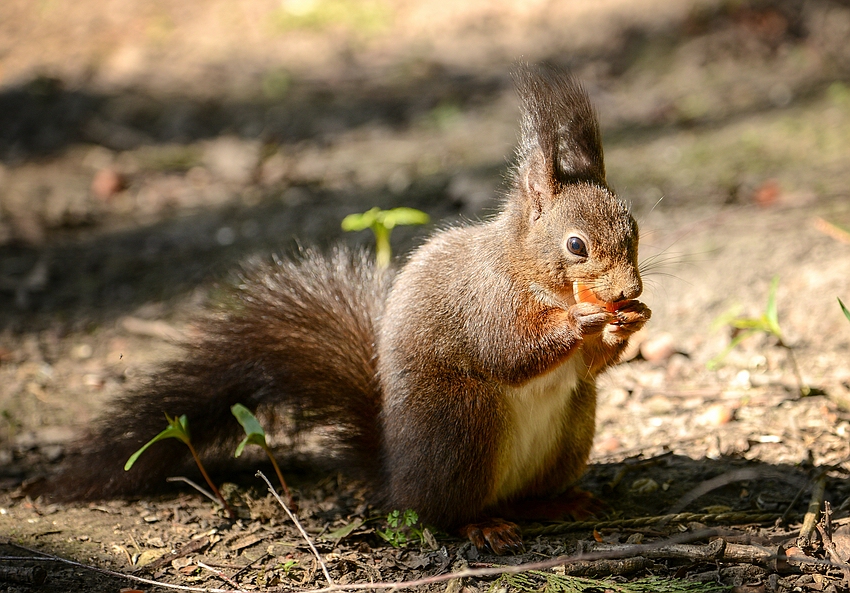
(147, 148)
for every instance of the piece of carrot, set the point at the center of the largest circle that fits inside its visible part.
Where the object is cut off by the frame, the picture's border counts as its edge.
(584, 294)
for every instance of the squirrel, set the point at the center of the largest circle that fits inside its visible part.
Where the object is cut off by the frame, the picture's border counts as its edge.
(461, 386)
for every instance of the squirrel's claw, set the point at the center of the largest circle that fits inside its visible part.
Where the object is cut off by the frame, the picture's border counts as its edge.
(500, 536)
(632, 316)
(590, 318)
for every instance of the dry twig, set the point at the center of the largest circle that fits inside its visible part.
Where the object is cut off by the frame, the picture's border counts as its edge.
(804, 540)
(825, 529)
(301, 529)
(736, 475)
(220, 575)
(196, 486)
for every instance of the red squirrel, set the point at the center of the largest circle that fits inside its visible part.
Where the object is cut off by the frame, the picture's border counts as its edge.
(462, 386)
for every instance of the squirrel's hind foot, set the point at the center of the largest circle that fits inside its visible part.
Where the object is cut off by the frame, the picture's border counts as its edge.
(500, 536)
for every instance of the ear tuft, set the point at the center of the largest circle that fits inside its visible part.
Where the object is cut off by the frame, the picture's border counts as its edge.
(560, 143)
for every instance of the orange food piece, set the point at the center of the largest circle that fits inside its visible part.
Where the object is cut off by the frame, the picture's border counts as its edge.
(584, 294)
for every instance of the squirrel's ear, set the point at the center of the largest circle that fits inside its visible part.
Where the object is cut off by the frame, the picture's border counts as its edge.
(560, 143)
(536, 182)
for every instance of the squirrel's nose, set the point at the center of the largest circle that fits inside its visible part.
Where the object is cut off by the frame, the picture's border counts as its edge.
(630, 286)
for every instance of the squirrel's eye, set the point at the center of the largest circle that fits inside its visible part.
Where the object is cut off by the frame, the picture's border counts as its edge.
(577, 247)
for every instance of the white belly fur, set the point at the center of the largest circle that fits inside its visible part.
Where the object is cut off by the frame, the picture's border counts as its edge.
(536, 412)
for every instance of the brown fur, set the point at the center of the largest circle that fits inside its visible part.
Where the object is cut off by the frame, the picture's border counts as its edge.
(417, 376)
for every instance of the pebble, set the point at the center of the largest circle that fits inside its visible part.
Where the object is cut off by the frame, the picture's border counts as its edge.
(106, 183)
(609, 445)
(81, 351)
(658, 348)
(644, 486)
(232, 159)
(716, 415)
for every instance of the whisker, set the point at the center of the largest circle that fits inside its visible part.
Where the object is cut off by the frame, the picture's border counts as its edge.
(663, 258)
(655, 205)
(651, 279)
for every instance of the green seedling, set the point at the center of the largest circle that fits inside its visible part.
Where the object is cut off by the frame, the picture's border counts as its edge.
(843, 308)
(382, 222)
(255, 435)
(401, 528)
(768, 323)
(178, 428)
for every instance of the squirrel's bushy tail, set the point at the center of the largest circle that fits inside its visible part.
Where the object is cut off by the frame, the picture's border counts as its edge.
(294, 334)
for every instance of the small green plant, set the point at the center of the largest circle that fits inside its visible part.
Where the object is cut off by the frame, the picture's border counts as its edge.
(768, 323)
(382, 222)
(402, 529)
(255, 435)
(178, 428)
(843, 308)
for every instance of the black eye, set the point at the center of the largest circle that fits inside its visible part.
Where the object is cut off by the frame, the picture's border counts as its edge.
(577, 247)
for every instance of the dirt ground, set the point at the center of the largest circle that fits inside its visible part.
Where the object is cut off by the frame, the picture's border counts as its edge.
(147, 147)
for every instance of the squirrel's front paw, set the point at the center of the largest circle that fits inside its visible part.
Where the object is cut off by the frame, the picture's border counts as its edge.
(590, 318)
(630, 317)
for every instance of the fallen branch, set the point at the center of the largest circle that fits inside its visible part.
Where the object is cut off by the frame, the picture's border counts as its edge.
(723, 518)
(24, 575)
(627, 551)
(716, 550)
(607, 568)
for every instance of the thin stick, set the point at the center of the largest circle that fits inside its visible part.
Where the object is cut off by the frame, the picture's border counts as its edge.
(301, 529)
(804, 540)
(220, 575)
(730, 477)
(196, 486)
(826, 535)
(211, 484)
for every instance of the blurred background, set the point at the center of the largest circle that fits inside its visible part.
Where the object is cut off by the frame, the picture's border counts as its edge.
(147, 146)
